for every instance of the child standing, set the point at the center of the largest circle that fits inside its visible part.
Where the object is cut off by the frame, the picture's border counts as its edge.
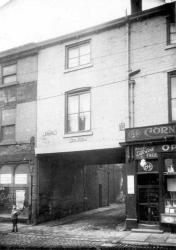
(14, 217)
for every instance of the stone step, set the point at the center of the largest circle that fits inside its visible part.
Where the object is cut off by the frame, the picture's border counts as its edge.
(148, 226)
(153, 231)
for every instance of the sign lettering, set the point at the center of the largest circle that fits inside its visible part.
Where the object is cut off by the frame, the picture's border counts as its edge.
(50, 133)
(152, 152)
(158, 131)
(78, 139)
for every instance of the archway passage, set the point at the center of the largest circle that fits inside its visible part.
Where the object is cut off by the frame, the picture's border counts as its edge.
(74, 182)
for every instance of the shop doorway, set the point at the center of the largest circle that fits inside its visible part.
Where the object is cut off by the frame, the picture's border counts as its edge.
(148, 198)
(15, 183)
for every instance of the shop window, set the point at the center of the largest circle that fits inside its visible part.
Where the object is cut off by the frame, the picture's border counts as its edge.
(9, 74)
(8, 124)
(172, 97)
(5, 179)
(78, 112)
(78, 55)
(20, 178)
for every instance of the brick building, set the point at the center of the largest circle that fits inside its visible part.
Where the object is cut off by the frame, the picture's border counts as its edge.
(18, 94)
(79, 111)
(91, 84)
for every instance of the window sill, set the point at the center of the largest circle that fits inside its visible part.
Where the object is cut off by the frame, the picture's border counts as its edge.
(78, 68)
(8, 85)
(78, 134)
(171, 46)
(8, 143)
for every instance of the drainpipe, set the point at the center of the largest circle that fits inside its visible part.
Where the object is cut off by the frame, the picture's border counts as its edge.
(128, 114)
(132, 83)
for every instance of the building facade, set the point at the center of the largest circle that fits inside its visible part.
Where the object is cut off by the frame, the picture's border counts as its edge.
(92, 84)
(79, 111)
(18, 95)
(105, 109)
(150, 138)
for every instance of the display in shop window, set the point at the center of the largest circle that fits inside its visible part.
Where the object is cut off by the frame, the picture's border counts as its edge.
(5, 179)
(169, 166)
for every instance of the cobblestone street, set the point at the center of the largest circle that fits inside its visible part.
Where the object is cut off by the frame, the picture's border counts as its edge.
(101, 228)
(87, 230)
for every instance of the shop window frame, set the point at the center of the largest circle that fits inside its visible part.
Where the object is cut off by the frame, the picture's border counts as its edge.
(170, 76)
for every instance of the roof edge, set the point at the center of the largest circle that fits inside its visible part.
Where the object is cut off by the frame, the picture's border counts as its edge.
(32, 48)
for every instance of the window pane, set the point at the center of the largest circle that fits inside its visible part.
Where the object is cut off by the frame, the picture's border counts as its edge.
(72, 123)
(8, 117)
(20, 178)
(173, 109)
(5, 179)
(8, 133)
(72, 53)
(73, 63)
(173, 87)
(173, 38)
(172, 33)
(85, 102)
(84, 59)
(85, 49)
(9, 79)
(84, 121)
(9, 70)
(73, 105)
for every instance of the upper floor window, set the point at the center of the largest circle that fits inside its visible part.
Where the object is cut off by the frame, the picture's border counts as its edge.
(9, 74)
(171, 31)
(78, 112)
(172, 97)
(78, 55)
(8, 117)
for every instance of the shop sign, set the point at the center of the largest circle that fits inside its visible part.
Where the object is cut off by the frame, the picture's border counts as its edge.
(151, 152)
(147, 166)
(78, 139)
(15, 149)
(152, 132)
(146, 152)
(166, 148)
(168, 219)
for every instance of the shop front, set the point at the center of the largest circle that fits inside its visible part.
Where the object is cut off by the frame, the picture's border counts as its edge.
(16, 177)
(151, 177)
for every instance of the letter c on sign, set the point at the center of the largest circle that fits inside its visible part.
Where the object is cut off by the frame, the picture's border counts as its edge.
(165, 147)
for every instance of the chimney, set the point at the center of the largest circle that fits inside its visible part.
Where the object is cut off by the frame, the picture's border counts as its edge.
(136, 6)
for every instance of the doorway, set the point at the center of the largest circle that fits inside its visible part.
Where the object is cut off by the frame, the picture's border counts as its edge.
(148, 198)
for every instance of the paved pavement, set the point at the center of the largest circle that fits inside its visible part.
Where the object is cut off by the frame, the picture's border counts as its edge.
(95, 229)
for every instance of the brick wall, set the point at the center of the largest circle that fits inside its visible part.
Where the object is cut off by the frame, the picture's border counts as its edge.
(149, 54)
